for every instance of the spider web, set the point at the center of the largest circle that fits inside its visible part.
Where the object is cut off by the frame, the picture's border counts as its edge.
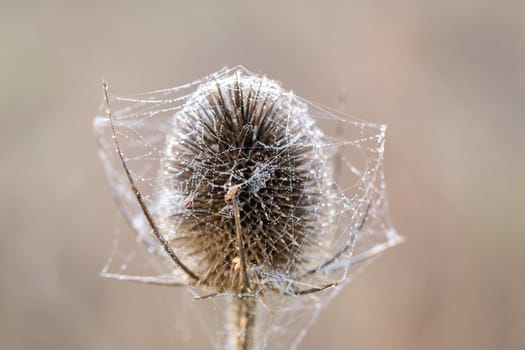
(352, 219)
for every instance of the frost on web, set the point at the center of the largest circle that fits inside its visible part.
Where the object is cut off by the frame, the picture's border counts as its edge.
(256, 191)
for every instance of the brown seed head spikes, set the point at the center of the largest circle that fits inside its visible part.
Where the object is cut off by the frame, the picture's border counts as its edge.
(244, 183)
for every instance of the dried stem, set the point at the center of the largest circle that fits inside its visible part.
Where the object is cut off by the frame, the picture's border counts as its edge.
(243, 307)
(231, 195)
(242, 323)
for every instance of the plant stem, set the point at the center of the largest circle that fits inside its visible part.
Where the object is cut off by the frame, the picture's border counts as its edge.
(242, 323)
(243, 308)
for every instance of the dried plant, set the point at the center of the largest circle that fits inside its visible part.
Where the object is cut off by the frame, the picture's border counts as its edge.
(246, 200)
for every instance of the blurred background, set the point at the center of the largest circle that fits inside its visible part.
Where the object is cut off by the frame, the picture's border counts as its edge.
(446, 76)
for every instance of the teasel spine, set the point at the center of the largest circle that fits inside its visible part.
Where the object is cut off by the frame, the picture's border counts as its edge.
(252, 130)
(243, 134)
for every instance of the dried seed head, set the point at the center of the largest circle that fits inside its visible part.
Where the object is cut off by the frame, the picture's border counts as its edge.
(244, 132)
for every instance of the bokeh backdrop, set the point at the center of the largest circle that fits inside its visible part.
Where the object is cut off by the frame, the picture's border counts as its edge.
(447, 77)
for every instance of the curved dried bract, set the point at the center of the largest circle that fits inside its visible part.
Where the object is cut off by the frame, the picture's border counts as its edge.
(245, 133)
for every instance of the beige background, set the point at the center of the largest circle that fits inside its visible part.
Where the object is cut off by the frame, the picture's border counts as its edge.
(447, 76)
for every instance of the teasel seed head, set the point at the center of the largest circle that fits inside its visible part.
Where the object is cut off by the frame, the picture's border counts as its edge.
(244, 132)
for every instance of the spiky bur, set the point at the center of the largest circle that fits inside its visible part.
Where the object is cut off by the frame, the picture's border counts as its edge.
(244, 181)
